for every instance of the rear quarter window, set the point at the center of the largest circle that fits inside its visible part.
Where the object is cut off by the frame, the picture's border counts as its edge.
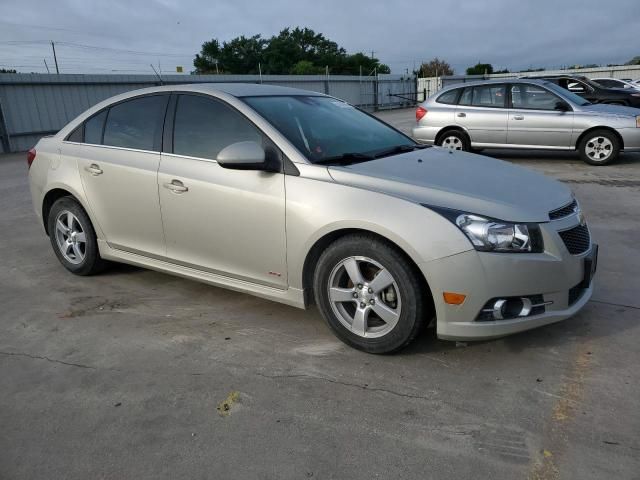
(450, 97)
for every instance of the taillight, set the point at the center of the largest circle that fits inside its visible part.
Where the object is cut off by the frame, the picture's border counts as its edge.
(420, 112)
(31, 156)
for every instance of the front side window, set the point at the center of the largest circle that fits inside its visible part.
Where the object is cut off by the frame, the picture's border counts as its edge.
(204, 126)
(489, 96)
(532, 97)
(323, 128)
(136, 123)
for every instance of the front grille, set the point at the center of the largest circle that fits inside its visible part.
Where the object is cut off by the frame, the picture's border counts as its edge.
(576, 239)
(563, 211)
(575, 293)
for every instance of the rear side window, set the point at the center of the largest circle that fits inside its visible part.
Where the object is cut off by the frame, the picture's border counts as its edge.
(204, 126)
(136, 123)
(93, 128)
(489, 96)
(450, 97)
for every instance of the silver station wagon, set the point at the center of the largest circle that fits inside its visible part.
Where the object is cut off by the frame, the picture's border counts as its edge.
(526, 114)
(301, 198)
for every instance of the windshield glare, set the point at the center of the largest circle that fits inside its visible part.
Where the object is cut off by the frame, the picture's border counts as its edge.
(567, 95)
(322, 127)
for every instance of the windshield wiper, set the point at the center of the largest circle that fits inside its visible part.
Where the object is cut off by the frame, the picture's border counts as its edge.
(345, 159)
(399, 149)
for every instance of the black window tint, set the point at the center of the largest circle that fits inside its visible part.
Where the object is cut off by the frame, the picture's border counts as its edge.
(204, 126)
(465, 99)
(533, 97)
(449, 97)
(488, 96)
(76, 135)
(610, 83)
(136, 123)
(93, 128)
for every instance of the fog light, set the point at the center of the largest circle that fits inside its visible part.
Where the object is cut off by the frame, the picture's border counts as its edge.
(512, 307)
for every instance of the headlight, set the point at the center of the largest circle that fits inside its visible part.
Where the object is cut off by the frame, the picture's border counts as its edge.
(491, 235)
(495, 236)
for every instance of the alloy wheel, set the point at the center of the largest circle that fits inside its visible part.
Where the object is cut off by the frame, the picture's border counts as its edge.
(70, 237)
(599, 148)
(364, 296)
(452, 143)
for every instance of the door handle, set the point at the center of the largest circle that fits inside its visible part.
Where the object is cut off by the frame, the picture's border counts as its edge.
(518, 117)
(94, 169)
(462, 114)
(176, 186)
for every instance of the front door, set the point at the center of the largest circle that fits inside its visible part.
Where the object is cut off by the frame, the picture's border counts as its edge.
(535, 120)
(229, 222)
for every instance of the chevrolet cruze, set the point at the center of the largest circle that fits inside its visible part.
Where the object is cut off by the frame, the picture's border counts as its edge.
(301, 198)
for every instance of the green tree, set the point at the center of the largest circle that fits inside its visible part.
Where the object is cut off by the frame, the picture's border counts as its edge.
(296, 51)
(435, 68)
(7, 70)
(305, 67)
(480, 69)
(634, 61)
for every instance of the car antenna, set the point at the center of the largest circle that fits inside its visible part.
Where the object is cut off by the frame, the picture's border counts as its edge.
(157, 74)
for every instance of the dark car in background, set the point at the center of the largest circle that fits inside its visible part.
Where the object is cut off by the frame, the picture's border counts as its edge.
(592, 91)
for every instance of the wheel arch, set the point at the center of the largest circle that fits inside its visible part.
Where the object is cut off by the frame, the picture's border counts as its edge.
(327, 239)
(593, 129)
(450, 128)
(53, 194)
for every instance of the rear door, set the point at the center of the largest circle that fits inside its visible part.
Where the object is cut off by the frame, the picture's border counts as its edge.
(118, 163)
(482, 112)
(534, 119)
(229, 222)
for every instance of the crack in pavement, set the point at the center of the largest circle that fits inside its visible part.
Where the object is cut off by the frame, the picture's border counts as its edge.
(52, 360)
(347, 384)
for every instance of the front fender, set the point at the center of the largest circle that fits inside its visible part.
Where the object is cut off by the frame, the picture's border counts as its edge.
(317, 208)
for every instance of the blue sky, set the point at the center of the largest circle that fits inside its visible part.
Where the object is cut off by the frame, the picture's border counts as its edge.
(507, 33)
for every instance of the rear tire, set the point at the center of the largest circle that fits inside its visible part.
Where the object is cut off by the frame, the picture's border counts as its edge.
(369, 294)
(599, 147)
(73, 238)
(454, 140)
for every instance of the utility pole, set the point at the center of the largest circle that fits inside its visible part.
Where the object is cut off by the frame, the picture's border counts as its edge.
(45, 65)
(372, 52)
(55, 59)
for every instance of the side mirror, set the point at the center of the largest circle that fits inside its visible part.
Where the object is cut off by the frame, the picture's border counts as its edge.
(247, 156)
(562, 107)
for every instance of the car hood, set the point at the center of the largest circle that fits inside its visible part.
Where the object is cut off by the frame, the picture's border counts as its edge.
(618, 110)
(462, 181)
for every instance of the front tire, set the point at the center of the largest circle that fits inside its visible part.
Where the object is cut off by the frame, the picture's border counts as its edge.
(599, 147)
(73, 238)
(369, 294)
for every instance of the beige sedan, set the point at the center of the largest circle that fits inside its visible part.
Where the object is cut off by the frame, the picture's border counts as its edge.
(301, 198)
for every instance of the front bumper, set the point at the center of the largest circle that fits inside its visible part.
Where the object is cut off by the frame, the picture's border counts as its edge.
(483, 276)
(630, 139)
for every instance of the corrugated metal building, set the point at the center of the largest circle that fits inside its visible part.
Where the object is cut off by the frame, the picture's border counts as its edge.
(34, 105)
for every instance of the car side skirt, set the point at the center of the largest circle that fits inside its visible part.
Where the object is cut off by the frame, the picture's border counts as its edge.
(289, 296)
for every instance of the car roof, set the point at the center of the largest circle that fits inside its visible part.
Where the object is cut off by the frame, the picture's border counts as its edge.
(539, 81)
(233, 89)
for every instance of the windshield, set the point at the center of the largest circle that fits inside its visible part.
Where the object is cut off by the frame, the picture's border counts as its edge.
(323, 128)
(567, 95)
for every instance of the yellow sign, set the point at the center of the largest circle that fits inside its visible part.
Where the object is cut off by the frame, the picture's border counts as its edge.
(179, 69)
